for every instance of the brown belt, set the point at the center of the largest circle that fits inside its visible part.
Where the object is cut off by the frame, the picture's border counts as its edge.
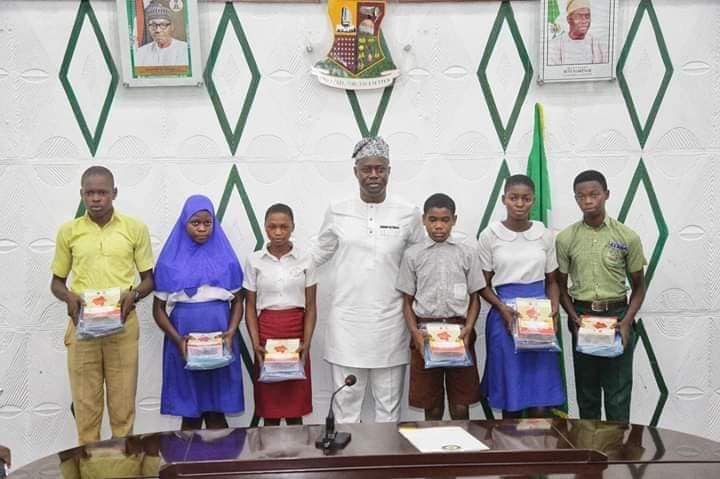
(602, 305)
(453, 320)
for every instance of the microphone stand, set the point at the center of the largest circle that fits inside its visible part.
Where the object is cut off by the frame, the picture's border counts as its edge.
(331, 440)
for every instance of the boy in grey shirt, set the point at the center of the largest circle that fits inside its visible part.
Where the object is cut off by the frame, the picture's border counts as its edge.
(440, 279)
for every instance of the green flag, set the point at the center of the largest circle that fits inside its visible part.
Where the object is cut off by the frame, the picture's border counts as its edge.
(553, 11)
(538, 172)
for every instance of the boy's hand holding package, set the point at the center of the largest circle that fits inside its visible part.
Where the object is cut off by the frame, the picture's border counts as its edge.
(625, 326)
(74, 305)
(465, 333)
(419, 335)
(127, 304)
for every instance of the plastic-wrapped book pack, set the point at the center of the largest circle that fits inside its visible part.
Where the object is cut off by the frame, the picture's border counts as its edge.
(444, 348)
(599, 336)
(534, 329)
(282, 361)
(100, 315)
(207, 351)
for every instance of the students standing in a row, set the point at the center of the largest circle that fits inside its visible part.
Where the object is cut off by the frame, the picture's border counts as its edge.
(597, 253)
(199, 279)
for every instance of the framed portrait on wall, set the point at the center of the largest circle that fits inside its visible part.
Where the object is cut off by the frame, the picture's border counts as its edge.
(160, 42)
(577, 40)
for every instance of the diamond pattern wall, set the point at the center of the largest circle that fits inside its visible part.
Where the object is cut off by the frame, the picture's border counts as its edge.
(248, 143)
(232, 133)
(92, 134)
(642, 130)
(505, 129)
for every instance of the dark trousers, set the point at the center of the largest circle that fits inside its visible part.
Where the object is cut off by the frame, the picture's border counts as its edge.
(613, 377)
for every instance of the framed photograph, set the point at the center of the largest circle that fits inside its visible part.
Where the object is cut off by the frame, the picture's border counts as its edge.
(160, 42)
(577, 40)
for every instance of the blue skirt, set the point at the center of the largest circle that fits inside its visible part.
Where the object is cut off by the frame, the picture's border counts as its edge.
(517, 380)
(191, 393)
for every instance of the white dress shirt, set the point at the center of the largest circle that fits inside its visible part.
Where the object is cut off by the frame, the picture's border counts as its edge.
(522, 258)
(365, 325)
(151, 55)
(279, 282)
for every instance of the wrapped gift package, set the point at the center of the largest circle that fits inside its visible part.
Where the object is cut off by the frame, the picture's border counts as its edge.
(100, 315)
(599, 336)
(534, 329)
(282, 361)
(443, 347)
(207, 351)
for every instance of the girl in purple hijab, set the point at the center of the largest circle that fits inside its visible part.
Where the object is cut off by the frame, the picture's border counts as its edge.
(198, 290)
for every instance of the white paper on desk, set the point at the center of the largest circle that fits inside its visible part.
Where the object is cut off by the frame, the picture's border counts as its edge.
(442, 439)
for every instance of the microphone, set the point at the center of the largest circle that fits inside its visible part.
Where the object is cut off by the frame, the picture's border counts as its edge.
(331, 440)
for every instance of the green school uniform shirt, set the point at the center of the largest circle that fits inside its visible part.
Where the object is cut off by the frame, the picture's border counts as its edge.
(598, 260)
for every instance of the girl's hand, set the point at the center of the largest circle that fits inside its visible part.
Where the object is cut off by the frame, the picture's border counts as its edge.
(509, 316)
(181, 343)
(228, 339)
(259, 352)
(304, 350)
(556, 319)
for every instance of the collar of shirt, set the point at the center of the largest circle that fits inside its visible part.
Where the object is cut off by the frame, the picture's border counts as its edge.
(113, 219)
(604, 224)
(533, 233)
(428, 242)
(292, 253)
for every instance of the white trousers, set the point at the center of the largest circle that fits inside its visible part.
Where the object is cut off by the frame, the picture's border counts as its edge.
(386, 386)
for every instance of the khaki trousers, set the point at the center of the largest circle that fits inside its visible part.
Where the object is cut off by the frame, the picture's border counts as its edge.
(111, 361)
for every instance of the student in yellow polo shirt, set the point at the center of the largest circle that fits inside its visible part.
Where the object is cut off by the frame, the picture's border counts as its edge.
(598, 254)
(102, 249)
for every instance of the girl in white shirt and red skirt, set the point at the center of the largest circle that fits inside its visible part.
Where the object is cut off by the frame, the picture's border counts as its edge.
(281, 290)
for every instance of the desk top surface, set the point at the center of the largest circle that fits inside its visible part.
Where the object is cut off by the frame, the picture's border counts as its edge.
(633, 451)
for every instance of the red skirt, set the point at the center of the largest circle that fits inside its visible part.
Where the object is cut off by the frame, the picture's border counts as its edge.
(286, 398)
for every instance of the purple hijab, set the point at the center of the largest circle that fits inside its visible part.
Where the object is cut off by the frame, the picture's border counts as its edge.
(186, 265)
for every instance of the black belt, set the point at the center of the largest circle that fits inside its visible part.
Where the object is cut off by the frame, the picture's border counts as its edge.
(602, 305)
(452, 320)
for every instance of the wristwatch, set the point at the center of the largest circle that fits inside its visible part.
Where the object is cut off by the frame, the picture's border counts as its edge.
(136, 295)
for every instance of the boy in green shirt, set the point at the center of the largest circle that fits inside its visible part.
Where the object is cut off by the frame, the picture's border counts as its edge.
(598, 254)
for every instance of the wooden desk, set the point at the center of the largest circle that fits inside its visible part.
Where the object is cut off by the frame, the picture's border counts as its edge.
(556, 449)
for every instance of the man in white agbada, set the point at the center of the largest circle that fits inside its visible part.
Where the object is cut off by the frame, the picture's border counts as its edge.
(365, 334)
(577, 46)
(164, 50)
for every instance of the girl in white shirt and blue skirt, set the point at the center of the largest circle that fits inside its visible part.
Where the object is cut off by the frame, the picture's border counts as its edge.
(517, 256)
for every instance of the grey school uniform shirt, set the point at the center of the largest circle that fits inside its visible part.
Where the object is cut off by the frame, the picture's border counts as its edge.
(441, 276)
